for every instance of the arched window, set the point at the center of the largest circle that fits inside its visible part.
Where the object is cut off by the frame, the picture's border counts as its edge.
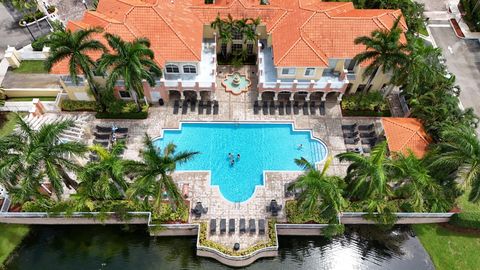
(189, 69)
(172, 68)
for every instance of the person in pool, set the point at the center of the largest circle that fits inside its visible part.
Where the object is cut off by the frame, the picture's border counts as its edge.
(230, 156)
(232, 162)
(238, 156)
(300, 146)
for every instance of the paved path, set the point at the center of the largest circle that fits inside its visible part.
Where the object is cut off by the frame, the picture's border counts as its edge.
(12, 34)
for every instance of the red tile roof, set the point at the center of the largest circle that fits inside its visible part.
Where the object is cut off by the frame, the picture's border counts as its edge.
(406, 133)
(304, 32)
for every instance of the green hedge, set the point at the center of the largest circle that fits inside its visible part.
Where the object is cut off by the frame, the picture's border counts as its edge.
(466, 220)
(297, 216)
(123, 110)
(78, 105)
(366, 113)
(130, 115)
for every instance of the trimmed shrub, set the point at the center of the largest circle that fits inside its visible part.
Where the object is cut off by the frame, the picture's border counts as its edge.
(78, 105)
(466, 220)
(297, 216)
(121, 109)
(365, 104)
(39, 43)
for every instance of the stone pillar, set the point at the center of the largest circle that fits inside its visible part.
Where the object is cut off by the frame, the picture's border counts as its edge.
(199, 97)
(307, 98)
(38, 106)
(312, 85)
(275, 97)
(294, 85)
(277, 85)
(324, 97)
(259, 98)
(180, 89)
(339, 98)
(292, 96)
(46, 51)
(12, 57)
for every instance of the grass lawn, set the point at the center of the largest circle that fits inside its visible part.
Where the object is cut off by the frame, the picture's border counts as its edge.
(423, 31)
(10, 237)
(7, 123)
(30, 98)
(449, 250)
(31, 66)
(465, 205)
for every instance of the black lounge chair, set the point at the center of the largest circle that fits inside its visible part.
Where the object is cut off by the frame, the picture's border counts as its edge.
(209, 107)
(213, 226)
(201, 106)
(251, 226)
(272, 108)
(223, 226)
(256, 107)
(242, 225)
(193, 103)
(261, 226)
(354, 150)
(351, 127)
(281, 108)
(313, 109)
(369, 141)
(231, 225)
(121, 130)
(176, 106)
(215, 107)
(366, 127)
(296, 109)
(274, 207)
(322, 108)
(350, 134)
(265, 107)
(101, 129)
(351, 140)
(103, 143)
(305, 108)
(101, 136)
(288, 108)
(368, 134)
(185, 107)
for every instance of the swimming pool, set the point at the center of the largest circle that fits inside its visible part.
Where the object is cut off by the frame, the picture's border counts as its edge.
(262, 147)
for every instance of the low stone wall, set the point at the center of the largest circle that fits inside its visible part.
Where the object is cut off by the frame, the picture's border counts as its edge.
(233, 262)
(77, 218)
(173, 230)
(403, 218)
(300, 229)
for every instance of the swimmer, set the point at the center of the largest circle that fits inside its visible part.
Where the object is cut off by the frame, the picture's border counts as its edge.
(230, 156)
(238, 156)
(232, 162)
(300, 146)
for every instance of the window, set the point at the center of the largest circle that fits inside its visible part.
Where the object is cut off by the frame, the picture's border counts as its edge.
(309, 72)
(350, 64)
(288, 71)
(332, 63)
(124, 94)
(237, 35)
(172, 68)
(237, 48)
(249, 49)
(208, 1)
(189, 69)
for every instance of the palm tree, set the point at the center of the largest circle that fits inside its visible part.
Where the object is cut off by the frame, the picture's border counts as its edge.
(153, 173)
(75, 47)
(104, 179)
(459, 151)
(384, 51)
(416, 186)
(131, 61)
(368, 176)
(38, 155)
(320, 193)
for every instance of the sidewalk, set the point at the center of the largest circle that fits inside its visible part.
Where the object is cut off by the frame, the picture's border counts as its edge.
(455, 14)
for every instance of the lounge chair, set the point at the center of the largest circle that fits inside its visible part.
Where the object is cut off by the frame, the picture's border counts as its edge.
(354, 150)
(261, 226)
(201, 105)
(193, 103)
(369, 141)
(256, 107)
(366, 149)
(296, 109)
(101, 129)
(103, 143)
(101, 136)
(265, 107)
(223, 226)
(215, 107)
(350, 134)
(231, 225)
(288, 108)
(184, 107)
(350, 128)
(322, 108)
(209, 107)
(366, 127)
(368, 134)
(305, 108)
(313, 110)
(281, 108)
(351, 140)
(251, 226)
(272, 108)
(176, 106)
(242, 225)
(213, 226)
(121, 130)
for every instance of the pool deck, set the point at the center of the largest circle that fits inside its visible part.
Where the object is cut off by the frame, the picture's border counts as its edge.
(240, 108)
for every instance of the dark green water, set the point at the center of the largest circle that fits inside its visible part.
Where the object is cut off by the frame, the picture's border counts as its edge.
(113, 247)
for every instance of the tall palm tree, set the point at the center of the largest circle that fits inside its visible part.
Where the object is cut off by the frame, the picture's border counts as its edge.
(459, 151)
(416, 186)
(75, 47)
(320, 193)
(104, 179)
(368, 176)
(153, 173)
(131, 61)
(384, 51)
(38, 155)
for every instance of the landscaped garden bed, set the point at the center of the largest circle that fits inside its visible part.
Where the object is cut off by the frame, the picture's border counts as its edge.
(371, 104)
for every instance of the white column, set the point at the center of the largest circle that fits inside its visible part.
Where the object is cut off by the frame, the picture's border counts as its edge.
(324, 97)
(275, 97)
(339, 98)
(292, 96)
(307, 98)
(259, 98)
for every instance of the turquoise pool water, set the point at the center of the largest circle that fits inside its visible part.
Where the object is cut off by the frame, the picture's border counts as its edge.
(262, 147)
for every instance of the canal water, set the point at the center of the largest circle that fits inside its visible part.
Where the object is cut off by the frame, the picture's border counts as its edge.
(117, 247)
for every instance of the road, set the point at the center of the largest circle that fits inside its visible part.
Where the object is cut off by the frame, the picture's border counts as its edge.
(12, 34)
